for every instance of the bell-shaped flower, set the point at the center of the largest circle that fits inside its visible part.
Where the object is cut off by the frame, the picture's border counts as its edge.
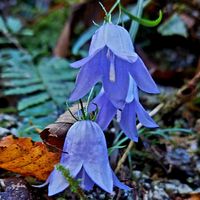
(86, 159)
(126, 116)
(111, 59)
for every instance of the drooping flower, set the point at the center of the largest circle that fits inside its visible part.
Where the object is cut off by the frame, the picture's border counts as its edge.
(127, 116)
(111, 60)
(86, 159)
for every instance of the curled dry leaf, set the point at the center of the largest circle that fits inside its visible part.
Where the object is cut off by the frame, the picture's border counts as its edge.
(54, 134)
(28, 158)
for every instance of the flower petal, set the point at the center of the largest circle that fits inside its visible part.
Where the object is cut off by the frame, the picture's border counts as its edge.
(97, 164)
(117, 90)
(144, 117)
(119, 184)
(57, 183)
(128, 122)
(98, 40)
(142, 77)
(88, 76)
(106, 110)
(119, 42)
(82, 62)
(86, 182)
(131, 90)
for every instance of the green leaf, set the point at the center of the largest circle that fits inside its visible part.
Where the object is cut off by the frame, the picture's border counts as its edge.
(111, 149)
(173, 26)
(12, 74)
(2, 25)
(174, 130)
(32, 100)
(165, 133)
(144, 22)
(42, 87)
(40, 110)
(14, 24)
(25, 90)
(21, 82)
(27, 32)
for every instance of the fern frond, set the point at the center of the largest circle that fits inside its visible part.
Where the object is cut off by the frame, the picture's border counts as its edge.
(25, 90)
(40, 110)
(42, 86)
(33, 100)
(21, 82)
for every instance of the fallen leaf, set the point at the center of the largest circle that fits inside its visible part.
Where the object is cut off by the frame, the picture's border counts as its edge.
(54, 134)
(195, 196)
(28, 158)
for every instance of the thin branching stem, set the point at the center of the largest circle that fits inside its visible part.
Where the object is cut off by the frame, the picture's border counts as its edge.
(102, 6)
(71, 113)
(113, 7)
(120, 14)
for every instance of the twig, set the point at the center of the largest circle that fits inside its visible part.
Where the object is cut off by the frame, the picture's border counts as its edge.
(131, 143)
(184, 94)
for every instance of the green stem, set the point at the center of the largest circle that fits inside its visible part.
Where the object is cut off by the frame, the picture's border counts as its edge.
(71, 113)
(144, 22)
(120, 13)
(134, 25)
(102, 6)
(89, 98)
(114, 6)
(82, 109)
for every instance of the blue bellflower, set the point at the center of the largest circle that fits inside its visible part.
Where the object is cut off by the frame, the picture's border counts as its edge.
(86, 159)
(112, 60)
(126, 116)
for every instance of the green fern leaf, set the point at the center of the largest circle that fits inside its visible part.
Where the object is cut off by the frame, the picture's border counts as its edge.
(42, 86)
(25, 90)
(21, 82)
(40, 110)
(33, 100)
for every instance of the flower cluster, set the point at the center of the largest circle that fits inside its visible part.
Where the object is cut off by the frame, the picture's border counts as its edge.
(113, 62)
